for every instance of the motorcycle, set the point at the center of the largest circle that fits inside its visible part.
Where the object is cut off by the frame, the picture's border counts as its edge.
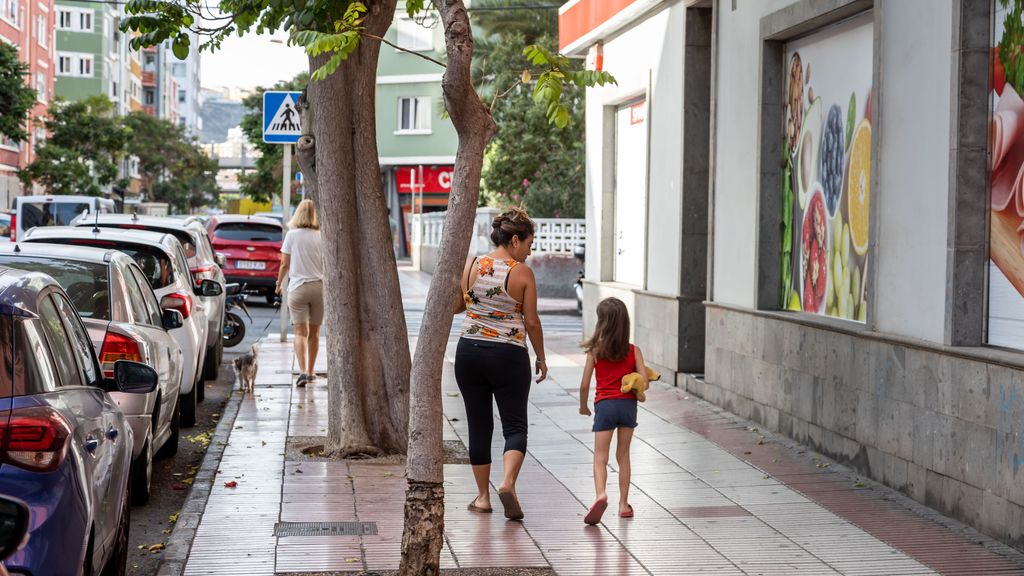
(234, 327)
(580, 252)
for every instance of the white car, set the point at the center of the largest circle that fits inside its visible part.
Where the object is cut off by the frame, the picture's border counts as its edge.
(163, 263)
(202, 262)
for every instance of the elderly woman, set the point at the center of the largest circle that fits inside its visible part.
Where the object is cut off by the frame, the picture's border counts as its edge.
(302, 262)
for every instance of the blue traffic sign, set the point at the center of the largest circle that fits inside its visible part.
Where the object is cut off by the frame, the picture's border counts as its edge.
(281, 117)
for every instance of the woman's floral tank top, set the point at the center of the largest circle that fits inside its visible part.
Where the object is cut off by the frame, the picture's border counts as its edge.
(491, 314)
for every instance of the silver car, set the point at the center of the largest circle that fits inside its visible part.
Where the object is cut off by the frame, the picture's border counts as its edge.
(124, 322)
(163, 264)
(202, 263)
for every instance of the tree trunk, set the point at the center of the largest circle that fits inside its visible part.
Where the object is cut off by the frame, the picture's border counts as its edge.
(367, 347)
(424, 505)
(305, 148)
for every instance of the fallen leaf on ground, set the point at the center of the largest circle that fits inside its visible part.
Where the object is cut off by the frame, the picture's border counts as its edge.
(264, 442)
(167, 531)
(351, 560)
(453, 394)
(748, 452)
(188, 481)
(858, 484)
(231, 484)
(157, 547)
(174, 517)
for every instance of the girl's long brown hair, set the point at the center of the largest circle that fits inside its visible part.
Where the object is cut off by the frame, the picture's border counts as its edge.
(610, 340)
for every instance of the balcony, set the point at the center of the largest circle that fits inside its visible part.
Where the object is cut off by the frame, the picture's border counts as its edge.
(149, 79)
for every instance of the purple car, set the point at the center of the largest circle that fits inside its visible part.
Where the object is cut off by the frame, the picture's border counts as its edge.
(65, 447)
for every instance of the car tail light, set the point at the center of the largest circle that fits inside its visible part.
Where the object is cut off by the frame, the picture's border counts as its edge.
(14, 227)
(178, 300)
(117, 347)
(206, 272)
(34, 438)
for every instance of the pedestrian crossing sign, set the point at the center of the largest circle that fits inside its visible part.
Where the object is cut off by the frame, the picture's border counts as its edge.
(281, 117)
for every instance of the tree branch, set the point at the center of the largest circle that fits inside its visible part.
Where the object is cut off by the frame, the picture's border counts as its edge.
(497, 96)
(400, 49)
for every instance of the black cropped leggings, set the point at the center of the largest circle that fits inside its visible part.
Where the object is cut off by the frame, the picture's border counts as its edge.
(498, 371)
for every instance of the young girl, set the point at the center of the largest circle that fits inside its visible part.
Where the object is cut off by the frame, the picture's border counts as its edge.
(610, 354)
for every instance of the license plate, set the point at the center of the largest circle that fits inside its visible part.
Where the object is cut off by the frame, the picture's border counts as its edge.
(250, 264)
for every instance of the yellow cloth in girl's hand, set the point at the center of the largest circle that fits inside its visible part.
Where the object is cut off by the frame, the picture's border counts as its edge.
(635, 383)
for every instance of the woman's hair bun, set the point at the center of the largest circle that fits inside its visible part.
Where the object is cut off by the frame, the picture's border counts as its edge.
(515, 222)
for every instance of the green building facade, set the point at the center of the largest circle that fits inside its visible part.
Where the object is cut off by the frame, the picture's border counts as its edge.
(416, 142)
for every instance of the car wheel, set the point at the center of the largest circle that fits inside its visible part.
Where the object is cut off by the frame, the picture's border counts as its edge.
(142, 474)
(211, 367)
(117, 565)
(200, 388)
(170, 447)
(188, 408)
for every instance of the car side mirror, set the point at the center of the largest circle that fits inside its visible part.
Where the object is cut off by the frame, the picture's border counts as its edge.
(134, 377)
(172, 319)
(210, 288)
(14, 521)
(220, 259)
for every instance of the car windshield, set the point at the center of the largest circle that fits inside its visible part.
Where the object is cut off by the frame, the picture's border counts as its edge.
(50, 213)
(248, 232)
(85, 282)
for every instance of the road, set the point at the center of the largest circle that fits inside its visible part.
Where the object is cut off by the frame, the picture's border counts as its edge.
(151, 524)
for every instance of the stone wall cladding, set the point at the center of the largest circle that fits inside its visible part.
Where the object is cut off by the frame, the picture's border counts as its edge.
(945, 429)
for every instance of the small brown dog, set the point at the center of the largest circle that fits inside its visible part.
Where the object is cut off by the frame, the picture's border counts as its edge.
(246, 367)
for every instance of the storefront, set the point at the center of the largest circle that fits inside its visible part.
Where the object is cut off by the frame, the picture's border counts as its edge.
(415, 189)
(848, 227)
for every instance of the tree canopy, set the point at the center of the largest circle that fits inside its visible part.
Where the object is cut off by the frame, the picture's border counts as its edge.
(86, 142)
(16, 96)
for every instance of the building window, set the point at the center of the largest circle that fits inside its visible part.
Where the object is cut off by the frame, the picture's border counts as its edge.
(85, 65)
(178, 69)
(9, 144)
(150, 98)
(74, 64)
(181, 96)
(10, 11)
(414, 115)
(113, 90)
(41, 30)
(149, 62)
(75, 19)
(414, 36)
(41, 87)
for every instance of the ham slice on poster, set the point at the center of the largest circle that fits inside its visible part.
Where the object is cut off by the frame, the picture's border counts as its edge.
(1008, 152)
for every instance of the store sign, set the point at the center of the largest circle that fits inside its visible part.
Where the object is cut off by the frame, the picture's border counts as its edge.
(638, 113)
(826, 194)
(424, 179)
(1006, 194)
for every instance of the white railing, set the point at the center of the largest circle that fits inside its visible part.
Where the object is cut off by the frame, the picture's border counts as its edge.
(554, 235)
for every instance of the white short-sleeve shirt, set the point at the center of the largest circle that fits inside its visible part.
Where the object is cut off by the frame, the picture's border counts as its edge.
(307, 259)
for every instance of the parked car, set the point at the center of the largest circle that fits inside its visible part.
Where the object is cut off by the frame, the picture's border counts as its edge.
(125, 322)
(252, 248)
(163, 264)
(67, 447)
(32, 211)
(202, 263)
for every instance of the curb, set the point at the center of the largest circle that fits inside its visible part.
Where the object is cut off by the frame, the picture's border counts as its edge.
(179, 544)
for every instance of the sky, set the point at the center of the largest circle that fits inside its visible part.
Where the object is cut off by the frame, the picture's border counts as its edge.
(252, 61)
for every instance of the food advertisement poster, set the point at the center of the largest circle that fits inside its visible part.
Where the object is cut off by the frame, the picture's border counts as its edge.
(1006, 178)
(827, 175)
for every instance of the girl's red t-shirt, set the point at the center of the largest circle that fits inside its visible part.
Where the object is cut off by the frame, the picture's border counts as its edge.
(609, 377)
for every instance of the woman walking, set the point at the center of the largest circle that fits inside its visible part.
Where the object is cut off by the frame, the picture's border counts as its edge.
(302, 263)
(492, 362)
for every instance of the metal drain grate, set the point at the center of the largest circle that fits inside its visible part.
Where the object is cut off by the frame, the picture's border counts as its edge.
(283, 529)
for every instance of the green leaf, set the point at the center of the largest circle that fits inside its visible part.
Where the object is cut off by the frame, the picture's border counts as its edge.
(413, 7)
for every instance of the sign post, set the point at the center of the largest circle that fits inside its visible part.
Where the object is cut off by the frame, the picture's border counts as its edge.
(281, 126)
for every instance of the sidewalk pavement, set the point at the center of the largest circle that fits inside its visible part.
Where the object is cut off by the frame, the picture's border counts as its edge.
(712, 495)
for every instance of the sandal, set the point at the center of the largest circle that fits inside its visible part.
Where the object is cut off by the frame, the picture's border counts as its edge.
(511, 504)
(628, 513)
(479, 509)
(596, 511)
(301, 382)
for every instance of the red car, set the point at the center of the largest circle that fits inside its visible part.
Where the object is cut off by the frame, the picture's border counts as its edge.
(251, 246)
